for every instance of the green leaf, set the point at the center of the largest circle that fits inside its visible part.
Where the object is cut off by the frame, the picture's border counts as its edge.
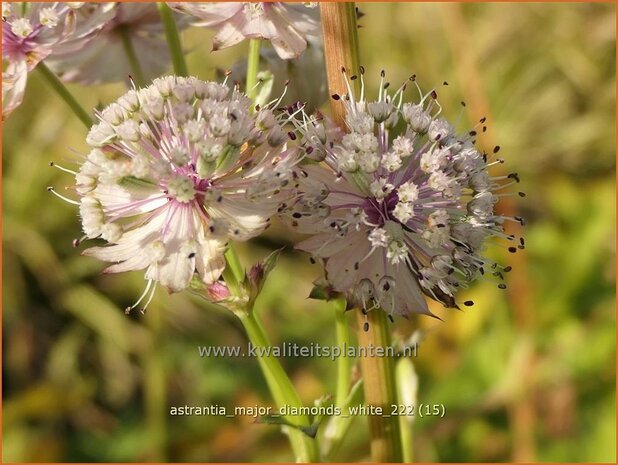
(310, 431)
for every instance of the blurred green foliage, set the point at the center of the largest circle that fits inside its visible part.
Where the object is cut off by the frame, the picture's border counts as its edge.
(527, 374)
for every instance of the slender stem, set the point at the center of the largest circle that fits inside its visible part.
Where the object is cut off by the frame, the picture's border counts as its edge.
(253, 68)
(339, 424)
(333, 438)
(129, 50)
(155, 390)
(64, 93)
(281, 388)
(233, 274)
(380, 388)
(343, 362)
(173, 39)
(341, 49)
(406, 392)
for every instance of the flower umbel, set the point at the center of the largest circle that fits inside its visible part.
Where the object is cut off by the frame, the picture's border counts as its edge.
(176, 170)
(286, 26)
(401, 205)
(32, 32)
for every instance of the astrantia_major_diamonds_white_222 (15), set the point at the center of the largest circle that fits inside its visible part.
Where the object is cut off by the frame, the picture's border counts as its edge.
(400, 204)
(177, 170)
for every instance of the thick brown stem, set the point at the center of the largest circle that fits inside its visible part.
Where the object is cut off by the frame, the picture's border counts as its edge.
(340, 48)
(380, 387)
(341, 51)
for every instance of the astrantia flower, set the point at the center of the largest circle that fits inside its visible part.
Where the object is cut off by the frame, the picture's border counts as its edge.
(176, 170)
(397, 213)
(105, 59)
(285, 25)
(32, 32)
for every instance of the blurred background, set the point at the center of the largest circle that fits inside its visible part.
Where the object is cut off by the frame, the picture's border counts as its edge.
(527, 374)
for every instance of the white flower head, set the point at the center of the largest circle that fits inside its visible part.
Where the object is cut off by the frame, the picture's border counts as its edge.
(167, 201)
(286, 26)
(391, 161)
(427, 201)
(21, 27)
(403, 211)
(49, 17)
(7, 9)
(403, 146)
(407, 192)
(378, 237)
(380, 188)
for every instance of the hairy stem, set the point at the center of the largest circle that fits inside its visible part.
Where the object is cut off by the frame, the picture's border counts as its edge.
(64, 93)
(173, 39)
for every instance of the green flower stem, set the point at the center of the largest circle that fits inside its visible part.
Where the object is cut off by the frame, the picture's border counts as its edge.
(333, 441)
(344, 370)
(233, 274)
(129, 50)
(380, 388)
(155, 390)
(173, 39)
(64, 93)
(282, 389)
(404, 373)
(253, 68)
(339, 424)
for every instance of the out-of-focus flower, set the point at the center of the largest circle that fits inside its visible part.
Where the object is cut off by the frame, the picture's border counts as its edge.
(137, 25)
(32, 32)
(177, 170)
(395, 216)
(13, 86)
(285, 25)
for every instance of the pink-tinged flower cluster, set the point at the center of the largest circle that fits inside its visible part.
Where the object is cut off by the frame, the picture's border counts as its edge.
(134, 25)
(400, 206)
(32, 32)
(176, 171)
(285, 25)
